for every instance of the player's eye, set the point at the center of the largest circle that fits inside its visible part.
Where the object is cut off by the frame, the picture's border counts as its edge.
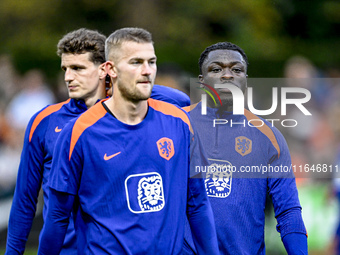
(236, 70)
(136, 62)
(215, 69)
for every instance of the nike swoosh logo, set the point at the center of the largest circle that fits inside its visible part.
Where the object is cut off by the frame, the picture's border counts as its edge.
(111, 156)
(57, 130)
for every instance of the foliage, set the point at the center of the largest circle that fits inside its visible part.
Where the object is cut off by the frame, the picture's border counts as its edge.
(269, 31)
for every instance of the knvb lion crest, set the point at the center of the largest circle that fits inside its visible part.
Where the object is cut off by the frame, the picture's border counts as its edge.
(218, 181)
(166, 148)
(144, 192)
(243, 145)
(150, 193)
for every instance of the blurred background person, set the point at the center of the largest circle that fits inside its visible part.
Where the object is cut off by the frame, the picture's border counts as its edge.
(33, 96)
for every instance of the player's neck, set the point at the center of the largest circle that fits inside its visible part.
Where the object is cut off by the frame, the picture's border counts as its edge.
(98, 95)
(128, 112)
(226, 107)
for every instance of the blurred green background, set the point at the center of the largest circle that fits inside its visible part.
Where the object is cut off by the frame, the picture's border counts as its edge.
(270, 31)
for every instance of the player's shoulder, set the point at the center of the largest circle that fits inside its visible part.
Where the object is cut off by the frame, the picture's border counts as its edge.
(91, 116)
(266, 129)
(43, 115)
(48, 110)
(190, 108)
(170, 95)
(75, 129)
(257, 122)
(169, 109)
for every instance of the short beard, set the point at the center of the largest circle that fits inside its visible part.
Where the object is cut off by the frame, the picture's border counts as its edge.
(133, 96)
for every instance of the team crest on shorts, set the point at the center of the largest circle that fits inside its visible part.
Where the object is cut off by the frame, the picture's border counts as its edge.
(144, 192)
(166, 148)
(243, 145)
(218, 179)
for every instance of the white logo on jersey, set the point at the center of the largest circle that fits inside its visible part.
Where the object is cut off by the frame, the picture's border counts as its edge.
(218, 183)
(144, 192)
(150, 195)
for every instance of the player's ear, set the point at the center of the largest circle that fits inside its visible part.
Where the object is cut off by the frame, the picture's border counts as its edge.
(102, 71)
(200, 78)
(110, 69)
(108, 86)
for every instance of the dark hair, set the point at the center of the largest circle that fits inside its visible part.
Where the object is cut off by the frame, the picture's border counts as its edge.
(82, 41)
(220, 46)
(130, 34)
